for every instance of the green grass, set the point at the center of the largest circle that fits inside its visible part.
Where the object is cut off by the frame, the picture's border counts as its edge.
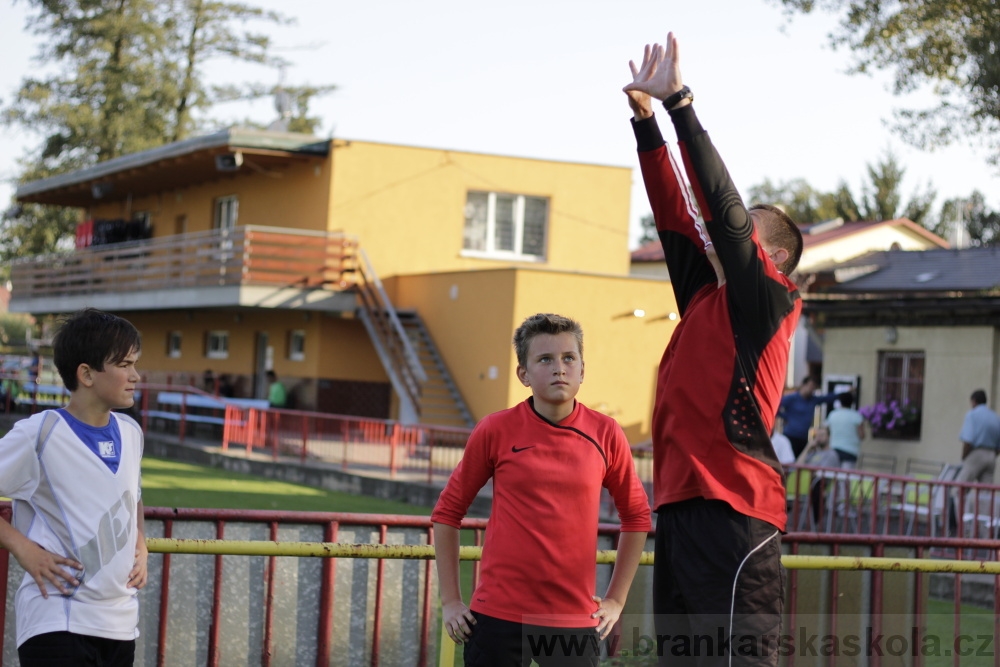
(168, 483)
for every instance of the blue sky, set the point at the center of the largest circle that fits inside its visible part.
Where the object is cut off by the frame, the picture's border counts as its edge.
(542, 79)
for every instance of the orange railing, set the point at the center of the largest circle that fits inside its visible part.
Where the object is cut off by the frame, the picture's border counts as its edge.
(378, 447)
(243, 255)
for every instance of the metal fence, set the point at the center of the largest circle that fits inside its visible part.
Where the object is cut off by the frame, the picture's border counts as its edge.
(210, 606)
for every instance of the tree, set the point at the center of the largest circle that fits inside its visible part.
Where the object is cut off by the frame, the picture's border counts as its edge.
(119, 77)
(14, 328)
(797, 198)
(879, 199)
(949, 46)
(981, 225)
(648, 226)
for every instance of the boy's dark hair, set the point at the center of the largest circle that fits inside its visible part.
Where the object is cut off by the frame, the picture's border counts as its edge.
(782, 231)
(544, 323)
(92, 337)
(979, 397)
(846, 399)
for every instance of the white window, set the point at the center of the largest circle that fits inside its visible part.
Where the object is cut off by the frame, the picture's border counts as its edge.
(505, 225)
(217, 345)
(297, 345)
(227, 210)
(174, 344)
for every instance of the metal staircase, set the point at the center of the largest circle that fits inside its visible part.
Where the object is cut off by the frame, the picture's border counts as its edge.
(390, 341)
(425, 388)
(440, 401)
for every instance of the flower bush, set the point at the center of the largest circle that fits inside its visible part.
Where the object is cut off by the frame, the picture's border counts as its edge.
(893, 419)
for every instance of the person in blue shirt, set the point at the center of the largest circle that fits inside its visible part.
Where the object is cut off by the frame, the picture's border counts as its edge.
(798, 410)
(847, 430)
(980, 438)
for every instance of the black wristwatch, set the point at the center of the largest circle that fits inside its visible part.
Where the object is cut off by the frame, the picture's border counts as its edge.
(678, 97)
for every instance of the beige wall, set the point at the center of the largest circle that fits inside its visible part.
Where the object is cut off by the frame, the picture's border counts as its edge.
(407, 206)
(958, 361)
(334, 347)
(469, 317)
(294, 196)
(474, 331)
(849, 247)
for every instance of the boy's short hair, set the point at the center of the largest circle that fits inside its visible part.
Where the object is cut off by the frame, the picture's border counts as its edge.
(95, 338)
(979, 397)
(782, 232)
(544, 323)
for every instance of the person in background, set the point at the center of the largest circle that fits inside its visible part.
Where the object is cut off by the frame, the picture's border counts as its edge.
(980, 436)
(276, 394)
(818, 453)
(226, 389)
(782, 445)
(847, 430)
(209, 382)
(798, 410)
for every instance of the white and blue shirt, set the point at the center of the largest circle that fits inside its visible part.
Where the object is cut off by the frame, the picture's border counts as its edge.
(75, 491)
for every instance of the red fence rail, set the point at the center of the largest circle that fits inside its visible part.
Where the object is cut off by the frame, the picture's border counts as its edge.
(369, 446)
(872, 594)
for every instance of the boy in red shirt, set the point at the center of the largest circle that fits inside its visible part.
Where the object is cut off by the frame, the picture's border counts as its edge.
(548, 457)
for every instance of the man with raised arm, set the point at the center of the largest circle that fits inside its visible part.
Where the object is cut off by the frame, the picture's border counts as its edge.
(718, 486)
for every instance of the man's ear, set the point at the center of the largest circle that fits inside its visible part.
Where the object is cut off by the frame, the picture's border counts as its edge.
(780, 256)
(85, 375)
(522, 374)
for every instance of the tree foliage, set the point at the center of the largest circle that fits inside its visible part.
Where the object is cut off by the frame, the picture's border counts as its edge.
(797, 198)
(947, 46)
(981, 225)
(648, 226)
(880, 197)
(115, 77)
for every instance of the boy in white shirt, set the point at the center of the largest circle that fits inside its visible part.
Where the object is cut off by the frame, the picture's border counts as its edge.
(73, 475)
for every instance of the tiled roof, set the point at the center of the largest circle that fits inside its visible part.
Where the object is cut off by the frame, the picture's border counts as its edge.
(939, 270)
(810, 240)
(825, 233)
(649, 252)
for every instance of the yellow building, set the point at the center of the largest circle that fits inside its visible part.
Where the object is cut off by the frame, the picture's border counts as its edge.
(374, 279)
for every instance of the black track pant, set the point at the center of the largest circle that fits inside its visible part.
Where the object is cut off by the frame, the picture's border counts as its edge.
(718, 586)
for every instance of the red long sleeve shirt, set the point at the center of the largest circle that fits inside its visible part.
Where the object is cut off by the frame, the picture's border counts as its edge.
(723, 373)
(538, 561)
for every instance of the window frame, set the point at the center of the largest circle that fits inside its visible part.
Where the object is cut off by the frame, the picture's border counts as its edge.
(226, 212)
(518, 223)
(175, 342)
(906, 382)
(214, 351)
(297, 352)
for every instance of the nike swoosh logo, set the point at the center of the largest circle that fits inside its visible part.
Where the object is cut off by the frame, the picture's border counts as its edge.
(521, 449)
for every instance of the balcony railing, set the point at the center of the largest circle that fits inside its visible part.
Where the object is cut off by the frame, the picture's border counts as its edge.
(242, 256)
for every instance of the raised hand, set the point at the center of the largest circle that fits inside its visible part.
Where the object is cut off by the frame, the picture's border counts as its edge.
(638, 100)
(660, 73)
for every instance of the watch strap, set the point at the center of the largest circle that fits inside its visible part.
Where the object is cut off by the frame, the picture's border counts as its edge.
(673, 100)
